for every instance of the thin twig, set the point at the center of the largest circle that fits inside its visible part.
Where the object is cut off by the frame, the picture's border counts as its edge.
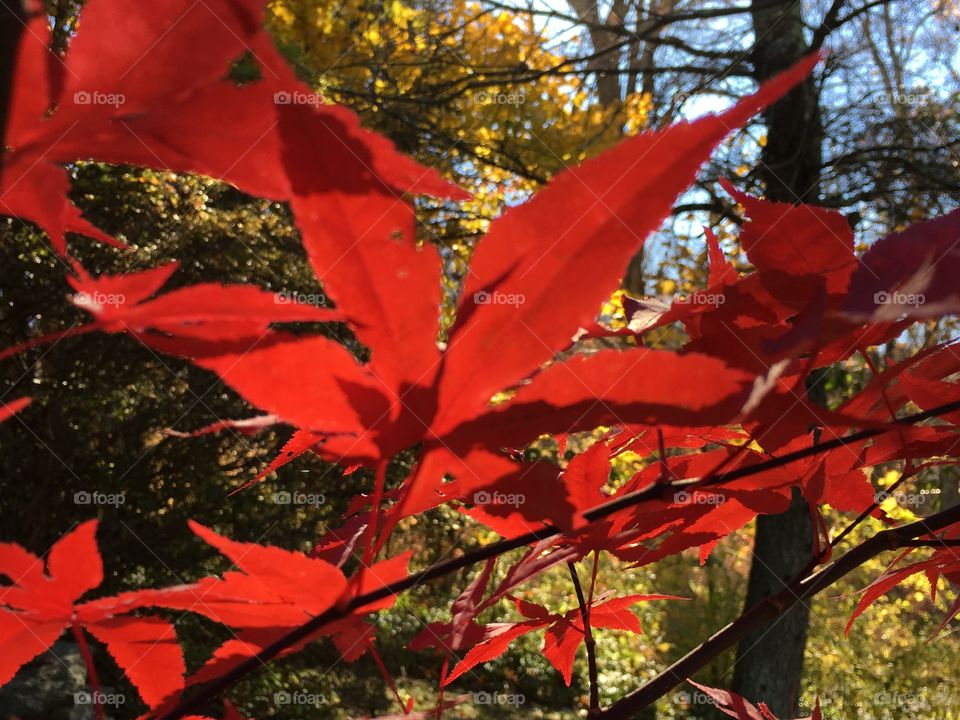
(97, 694)
(588, 641)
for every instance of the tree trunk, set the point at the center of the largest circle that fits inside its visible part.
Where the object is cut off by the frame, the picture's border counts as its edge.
(605, 65)
(769, 663)
(12, 17)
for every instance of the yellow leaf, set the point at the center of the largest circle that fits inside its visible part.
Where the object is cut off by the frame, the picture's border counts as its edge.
(668, 287)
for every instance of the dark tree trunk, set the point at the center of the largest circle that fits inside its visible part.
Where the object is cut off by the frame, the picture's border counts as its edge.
(605, 65)
(769, 663)
(12, 17)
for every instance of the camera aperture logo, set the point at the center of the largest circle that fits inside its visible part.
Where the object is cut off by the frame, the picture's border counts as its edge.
(696, 697)
(484, 497)
(96, 302)
(291, 298)
(698, 498)
(499, 698)
(95, 497)
(917, 97)
(96, 97)
(298, 498)
(906, 499)
(283, 97)
(299, 697)
(904, 701)
(699, 297)
(486, 97)
(895, 298)
(496, 297)
(100, 698)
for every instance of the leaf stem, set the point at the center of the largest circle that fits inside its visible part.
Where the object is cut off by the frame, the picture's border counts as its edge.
(375, 502)
(589, 641)
(91, 669)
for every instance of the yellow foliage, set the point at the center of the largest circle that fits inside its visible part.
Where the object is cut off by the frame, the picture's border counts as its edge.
(668, 287)
(501, 124)
(476, 94)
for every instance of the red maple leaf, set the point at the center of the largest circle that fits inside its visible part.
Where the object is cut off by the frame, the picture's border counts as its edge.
(564, 632)
(38, 606)
(410, 391)
(120, 96)
(731, 704)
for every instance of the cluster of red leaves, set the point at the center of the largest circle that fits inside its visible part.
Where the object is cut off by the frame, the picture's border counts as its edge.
(269, 592)
(732, 397)
(943, 562)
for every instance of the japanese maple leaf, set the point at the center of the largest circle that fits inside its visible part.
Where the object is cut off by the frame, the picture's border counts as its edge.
(798, 252)
(731, 704)
(944, 562)
(208, 311)
(40, 604)
(680, 518)
(794, 303)
(594, 218)
(909, 273)
(205, 311)
(270, 592)
(120, 95)
(564, 632)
